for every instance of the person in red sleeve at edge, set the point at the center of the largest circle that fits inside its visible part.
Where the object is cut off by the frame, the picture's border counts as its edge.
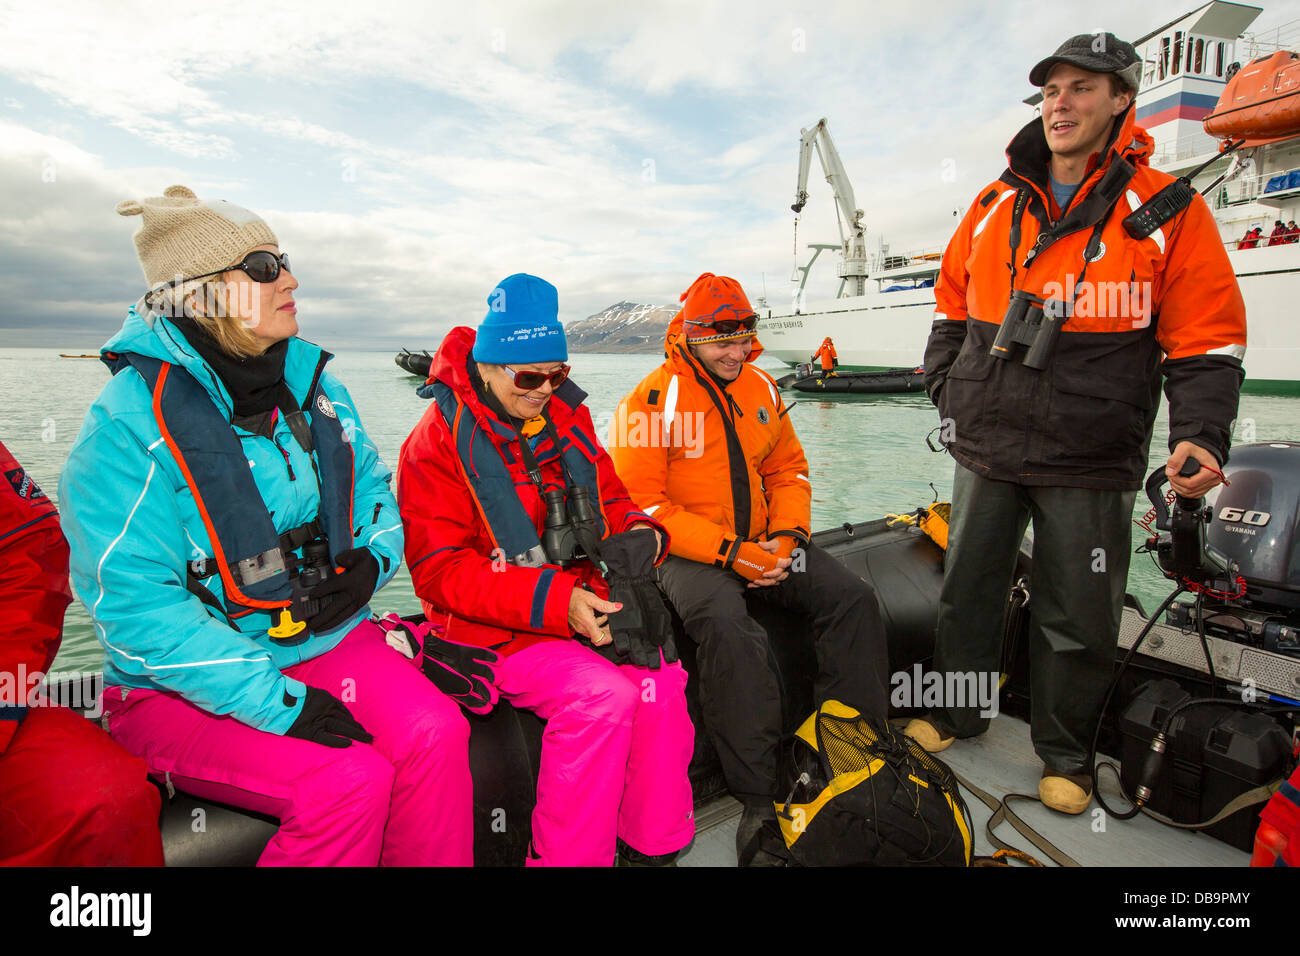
(48, 815)
(1059, 431)
(506, 425)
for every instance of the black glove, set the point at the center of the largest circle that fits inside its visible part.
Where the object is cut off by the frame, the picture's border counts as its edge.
(324, 720)
(644, 627)
(342, 595)
(463, 672)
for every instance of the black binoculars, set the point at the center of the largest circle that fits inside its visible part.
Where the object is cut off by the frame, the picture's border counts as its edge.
(312, 568)
(1034, 323)
(569, 521)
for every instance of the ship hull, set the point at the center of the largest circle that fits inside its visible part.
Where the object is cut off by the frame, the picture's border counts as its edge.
(890, 329)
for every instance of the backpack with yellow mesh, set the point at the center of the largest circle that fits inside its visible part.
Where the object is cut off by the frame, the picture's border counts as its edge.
(863, 794)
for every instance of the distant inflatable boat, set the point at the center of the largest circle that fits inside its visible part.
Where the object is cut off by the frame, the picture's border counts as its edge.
(882, 381)
(414, 363)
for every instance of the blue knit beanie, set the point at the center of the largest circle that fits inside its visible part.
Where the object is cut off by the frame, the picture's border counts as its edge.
(522, 325)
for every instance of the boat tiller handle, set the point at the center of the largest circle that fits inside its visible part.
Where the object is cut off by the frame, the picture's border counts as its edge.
(1157, 480)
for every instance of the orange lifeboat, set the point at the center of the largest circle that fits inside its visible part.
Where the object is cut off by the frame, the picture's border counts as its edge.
(1261, 102)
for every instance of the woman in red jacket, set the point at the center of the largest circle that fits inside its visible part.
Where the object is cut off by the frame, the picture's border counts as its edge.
(505, 429)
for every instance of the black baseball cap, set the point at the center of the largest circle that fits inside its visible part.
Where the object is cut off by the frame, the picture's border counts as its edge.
(1096, 53)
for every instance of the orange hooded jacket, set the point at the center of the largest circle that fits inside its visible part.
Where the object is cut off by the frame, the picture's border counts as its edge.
(1168, 303)
(728, 467)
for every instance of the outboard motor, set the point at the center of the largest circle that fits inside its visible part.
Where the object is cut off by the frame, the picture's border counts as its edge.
(1255, 521)
(1255, 526)
(1243, 551)
(1240, 556)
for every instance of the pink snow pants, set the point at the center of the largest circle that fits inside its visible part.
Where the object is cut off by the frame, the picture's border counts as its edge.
(405, 800)
(615, 753)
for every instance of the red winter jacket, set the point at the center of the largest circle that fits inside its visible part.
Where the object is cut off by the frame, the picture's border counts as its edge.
(34, 589)
(448, 546)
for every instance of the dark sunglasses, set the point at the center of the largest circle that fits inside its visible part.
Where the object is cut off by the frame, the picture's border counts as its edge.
(529, 381)
(731, 326)
(259, 265)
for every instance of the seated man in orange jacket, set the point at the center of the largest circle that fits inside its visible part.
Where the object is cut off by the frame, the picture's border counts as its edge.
(69, 796)
(705, 445)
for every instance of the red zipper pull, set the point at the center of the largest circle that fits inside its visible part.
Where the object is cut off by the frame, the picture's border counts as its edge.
(292, 477)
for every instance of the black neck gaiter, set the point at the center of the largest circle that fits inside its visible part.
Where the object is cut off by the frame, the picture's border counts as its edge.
(256, 383)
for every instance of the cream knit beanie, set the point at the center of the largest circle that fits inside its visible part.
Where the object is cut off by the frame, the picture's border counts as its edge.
(183, 236)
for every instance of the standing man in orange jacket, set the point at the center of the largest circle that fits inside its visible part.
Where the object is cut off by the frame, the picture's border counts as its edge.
(705, 445)
(1057, 427)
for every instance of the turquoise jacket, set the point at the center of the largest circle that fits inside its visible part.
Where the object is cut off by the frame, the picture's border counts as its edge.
(133, 526)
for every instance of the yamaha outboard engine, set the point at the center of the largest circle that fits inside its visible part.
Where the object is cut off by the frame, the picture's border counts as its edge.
(1240, 557)
(1252, 533)
(1255, 521)
(1256, 526)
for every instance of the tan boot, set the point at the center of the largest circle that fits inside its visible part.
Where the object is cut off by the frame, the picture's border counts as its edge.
(1065, 793)
(925, 733)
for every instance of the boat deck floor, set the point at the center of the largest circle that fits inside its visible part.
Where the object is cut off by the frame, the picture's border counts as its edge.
(999, 762)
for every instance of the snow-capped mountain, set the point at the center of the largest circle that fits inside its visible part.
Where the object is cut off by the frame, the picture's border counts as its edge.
(623, 327)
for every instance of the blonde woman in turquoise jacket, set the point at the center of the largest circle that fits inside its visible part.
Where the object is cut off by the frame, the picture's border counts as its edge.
(219, 474)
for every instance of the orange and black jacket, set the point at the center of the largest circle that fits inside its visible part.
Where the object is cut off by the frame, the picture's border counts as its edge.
(729, 467)
(1166, 306)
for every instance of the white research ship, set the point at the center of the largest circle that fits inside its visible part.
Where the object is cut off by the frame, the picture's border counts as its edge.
(1187, 65)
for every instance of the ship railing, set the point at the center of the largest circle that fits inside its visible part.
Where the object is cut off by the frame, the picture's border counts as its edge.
(1243, 189)
(881, 262)
(1185, 147)
(1246, 189)
(1285, 36)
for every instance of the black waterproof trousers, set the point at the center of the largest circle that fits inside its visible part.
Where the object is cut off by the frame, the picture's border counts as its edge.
(739, 693)
(1082, 543)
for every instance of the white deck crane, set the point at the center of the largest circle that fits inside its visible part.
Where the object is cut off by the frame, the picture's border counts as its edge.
(853, 247)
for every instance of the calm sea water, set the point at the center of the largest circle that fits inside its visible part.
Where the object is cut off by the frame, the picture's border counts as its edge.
(867, 455)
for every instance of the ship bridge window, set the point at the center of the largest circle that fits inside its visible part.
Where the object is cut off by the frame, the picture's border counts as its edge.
(1178, 52)
(1164, 57)
(1218, 59)
(1198, 62)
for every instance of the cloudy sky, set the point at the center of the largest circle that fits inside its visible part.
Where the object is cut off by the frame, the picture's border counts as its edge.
(410, 155)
